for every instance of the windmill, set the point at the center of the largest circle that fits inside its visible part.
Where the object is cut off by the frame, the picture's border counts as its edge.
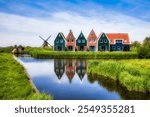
(45, 43)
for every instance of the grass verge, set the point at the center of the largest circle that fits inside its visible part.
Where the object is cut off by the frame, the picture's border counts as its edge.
(48, 53)
(133, 74)
(14, 82)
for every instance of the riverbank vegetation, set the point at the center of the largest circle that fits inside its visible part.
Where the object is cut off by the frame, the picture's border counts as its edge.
(142, 49)
(14, 82)
(133, 74)
(48, 53)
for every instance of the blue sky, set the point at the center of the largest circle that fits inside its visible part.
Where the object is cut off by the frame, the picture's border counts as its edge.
(44, 17)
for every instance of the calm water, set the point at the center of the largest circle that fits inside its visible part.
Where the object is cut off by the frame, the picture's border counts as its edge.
(67, 79)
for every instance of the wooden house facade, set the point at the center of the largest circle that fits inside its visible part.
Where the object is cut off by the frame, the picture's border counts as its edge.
(92, 41)
(103, 42)
(70, 42)
(119, 41)
(60, 42)
(81, 43)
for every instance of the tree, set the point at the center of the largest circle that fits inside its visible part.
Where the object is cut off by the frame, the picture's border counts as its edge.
(144, 50)
(146, 42)
(135, 44)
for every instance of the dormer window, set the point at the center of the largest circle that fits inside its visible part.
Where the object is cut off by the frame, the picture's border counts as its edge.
(101, 41)
(83, 41)
(79, 41)
(118, 41)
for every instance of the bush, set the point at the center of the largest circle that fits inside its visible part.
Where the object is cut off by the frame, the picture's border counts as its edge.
(144, 52)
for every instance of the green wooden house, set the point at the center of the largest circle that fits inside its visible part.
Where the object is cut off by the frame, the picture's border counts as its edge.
(81, 43)
(59, 42)
(103, 42)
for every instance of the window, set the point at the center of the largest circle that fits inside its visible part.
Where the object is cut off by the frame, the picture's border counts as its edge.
(118, 48)
(72, 40)
(57, 41)
(113, 47)
(68, 40)
(105, 41)
(61, 41)
(79, 41)
(118, 41)
(101, 41)
(83, 41)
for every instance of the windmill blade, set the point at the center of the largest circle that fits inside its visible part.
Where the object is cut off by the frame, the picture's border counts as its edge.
(49, 45)
(42, 38)
(48, 38)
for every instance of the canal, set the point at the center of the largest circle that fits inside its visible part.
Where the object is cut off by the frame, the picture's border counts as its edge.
(67, 79)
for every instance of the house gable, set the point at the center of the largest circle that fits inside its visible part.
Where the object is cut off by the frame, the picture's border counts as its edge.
(81, 40)
(92, 36)
(59, 40)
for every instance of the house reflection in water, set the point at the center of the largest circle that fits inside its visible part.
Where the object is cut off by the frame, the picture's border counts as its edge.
(59, 67)
(81, 68)
(70, 66)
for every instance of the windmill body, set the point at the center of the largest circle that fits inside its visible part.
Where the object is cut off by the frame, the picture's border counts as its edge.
(46, 43)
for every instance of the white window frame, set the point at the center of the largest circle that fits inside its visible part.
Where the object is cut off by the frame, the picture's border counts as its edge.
(79, 41)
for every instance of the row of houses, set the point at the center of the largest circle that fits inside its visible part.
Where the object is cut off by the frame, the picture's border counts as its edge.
(104, 42)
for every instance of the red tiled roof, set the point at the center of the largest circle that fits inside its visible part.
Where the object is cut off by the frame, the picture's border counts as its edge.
(92, 35)
(70, 36)
(118, 36)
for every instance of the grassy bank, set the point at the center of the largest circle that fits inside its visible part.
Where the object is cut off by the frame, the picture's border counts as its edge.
(6, 49)
(133, 74)
(14, 82)
(48, 53)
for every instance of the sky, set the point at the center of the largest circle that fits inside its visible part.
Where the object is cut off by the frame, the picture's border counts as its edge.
(22, 21)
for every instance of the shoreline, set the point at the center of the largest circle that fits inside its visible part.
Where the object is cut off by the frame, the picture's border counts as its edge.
(29, 78)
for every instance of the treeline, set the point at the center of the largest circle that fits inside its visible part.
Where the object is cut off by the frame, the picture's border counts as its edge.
(143, 49)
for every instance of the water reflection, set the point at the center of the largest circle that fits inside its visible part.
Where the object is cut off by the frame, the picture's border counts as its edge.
(112, 86)
(68, 79)
(59, 67)
(70, 67)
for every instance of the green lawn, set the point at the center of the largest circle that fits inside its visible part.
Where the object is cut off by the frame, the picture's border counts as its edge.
(48, 53)
(133, 74)
(14, 82)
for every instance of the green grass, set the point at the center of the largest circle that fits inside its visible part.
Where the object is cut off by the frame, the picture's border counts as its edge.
(6, 49)
(133, 74)
(14, 82)
(48, 53)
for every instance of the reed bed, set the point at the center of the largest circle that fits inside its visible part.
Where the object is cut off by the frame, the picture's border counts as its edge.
(133, 74)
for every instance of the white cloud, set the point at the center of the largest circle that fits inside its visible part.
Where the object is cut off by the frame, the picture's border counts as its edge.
(15, 29)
